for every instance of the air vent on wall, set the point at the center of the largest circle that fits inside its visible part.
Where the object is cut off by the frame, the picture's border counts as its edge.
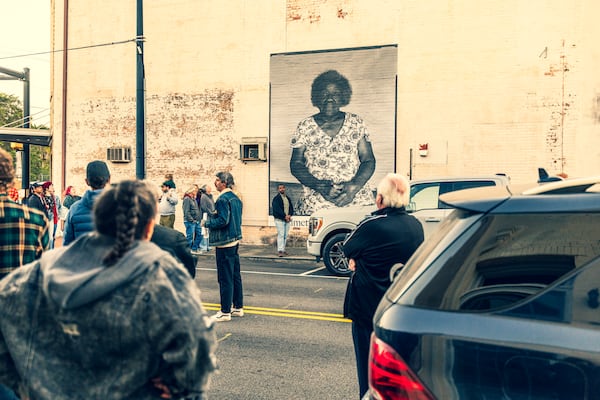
(253, 149)
(118, 154)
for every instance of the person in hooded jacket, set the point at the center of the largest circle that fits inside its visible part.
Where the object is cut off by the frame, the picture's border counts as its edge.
(387, 237)
(111, 316)
(205, 200)
(79, 219)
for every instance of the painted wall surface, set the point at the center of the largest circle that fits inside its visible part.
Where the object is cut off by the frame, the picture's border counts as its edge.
(489, 86)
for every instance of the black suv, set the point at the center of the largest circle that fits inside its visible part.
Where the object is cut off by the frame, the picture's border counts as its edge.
(501, 302)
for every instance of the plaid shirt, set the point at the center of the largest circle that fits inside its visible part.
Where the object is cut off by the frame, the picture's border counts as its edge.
(23, 234)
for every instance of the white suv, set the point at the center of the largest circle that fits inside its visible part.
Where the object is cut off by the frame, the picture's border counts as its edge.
(328, 228)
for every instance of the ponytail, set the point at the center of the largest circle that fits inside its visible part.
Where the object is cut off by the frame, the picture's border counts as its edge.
(123, 211)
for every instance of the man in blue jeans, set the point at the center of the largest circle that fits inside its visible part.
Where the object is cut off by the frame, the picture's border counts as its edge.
(225, 226)
(282, 213)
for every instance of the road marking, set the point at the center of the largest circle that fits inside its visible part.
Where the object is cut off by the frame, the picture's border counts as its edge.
(280, 312)
(303, 274)
(313, 271)
(224, 337)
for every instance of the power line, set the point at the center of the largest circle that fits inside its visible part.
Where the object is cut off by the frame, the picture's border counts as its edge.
(30, 118)
(75, 48)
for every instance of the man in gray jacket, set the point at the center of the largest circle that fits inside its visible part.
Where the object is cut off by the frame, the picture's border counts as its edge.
(166, 204)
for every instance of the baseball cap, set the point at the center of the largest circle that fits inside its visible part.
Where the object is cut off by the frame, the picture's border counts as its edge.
(170, 184)
(97, 174)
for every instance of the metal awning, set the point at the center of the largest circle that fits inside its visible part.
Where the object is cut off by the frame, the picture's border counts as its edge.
(39, 137)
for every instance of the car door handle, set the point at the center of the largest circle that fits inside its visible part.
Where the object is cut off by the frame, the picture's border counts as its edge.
(432, 219)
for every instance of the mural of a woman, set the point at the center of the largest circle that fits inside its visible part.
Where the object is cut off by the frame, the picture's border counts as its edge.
(332, 156)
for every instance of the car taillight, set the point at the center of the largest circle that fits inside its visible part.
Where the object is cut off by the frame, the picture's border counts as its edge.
(314, 224)
(389, 376)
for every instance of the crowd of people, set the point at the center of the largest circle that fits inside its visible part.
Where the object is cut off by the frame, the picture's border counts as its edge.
(113, 312)
(97, 292)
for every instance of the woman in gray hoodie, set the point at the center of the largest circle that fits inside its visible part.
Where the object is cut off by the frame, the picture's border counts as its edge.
(112, 316)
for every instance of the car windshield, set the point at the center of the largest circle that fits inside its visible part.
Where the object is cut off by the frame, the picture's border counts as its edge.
(450, 227)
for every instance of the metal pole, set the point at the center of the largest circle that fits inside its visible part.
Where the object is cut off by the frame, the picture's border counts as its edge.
(26, 124)
(410, 165)
(140, 115)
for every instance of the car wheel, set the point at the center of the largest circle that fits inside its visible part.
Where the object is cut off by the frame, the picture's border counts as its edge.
(333, 256)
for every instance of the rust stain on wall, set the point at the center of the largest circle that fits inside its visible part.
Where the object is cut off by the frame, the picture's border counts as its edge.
(559, 104)
(189, 135)
(303, 10)
(198, 135)
(313, 11)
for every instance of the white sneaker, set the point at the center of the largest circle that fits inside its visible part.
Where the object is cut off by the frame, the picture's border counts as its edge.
(221, 317)
(237, 312)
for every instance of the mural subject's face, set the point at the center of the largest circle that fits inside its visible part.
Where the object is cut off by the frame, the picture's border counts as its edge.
(330, 99)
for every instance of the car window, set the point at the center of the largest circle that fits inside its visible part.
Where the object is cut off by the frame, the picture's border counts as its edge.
(424, 196)
(461, 185)
(573, 300)
(449, 229)
(469, 185)
(503, 259)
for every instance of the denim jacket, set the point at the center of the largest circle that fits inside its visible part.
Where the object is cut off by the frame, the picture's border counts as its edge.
(71, 328)
(225, 223)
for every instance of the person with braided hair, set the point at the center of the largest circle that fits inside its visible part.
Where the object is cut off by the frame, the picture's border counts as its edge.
(111, 316)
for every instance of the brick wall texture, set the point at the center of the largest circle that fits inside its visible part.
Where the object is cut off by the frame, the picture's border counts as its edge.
(490, 86)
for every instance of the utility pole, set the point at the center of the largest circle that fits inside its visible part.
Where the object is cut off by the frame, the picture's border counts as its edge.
(140, 102)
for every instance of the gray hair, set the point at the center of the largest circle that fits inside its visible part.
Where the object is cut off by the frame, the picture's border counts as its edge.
(225, 177)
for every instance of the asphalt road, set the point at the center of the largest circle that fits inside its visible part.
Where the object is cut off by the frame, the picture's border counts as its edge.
(293, 342)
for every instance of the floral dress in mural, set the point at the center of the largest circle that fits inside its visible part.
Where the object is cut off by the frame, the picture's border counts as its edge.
(333, 158)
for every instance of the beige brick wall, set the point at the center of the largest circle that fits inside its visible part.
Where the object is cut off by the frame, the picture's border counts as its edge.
(491, 86)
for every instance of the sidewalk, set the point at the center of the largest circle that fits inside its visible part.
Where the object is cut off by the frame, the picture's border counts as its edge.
(269, 252)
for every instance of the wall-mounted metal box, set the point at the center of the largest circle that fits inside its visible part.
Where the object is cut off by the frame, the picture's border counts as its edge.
(119, 154)
(253, 149)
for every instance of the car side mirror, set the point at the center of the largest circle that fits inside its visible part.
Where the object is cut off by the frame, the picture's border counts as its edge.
(411, 207)
(395, 270)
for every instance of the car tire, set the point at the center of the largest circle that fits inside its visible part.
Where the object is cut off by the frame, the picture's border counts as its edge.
(333, 256)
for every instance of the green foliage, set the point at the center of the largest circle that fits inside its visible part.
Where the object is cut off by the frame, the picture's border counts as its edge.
(11, 115)
(11, 110)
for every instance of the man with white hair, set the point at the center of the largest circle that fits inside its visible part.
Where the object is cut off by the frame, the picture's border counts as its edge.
(387, 237)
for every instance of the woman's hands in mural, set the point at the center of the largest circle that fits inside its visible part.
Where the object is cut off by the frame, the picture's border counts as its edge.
(340, 194)
(327, 189)
(346, 193)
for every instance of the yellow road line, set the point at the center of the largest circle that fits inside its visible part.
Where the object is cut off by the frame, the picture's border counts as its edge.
(279, 312)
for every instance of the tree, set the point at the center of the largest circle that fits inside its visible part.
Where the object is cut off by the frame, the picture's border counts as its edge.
(11, 115)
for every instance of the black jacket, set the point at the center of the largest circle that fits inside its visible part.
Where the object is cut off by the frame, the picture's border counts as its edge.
(35, 201)
(277, 206)
(175, 243)
(387, 237)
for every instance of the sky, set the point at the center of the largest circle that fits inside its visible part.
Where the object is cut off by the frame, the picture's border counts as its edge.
(24, 30)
